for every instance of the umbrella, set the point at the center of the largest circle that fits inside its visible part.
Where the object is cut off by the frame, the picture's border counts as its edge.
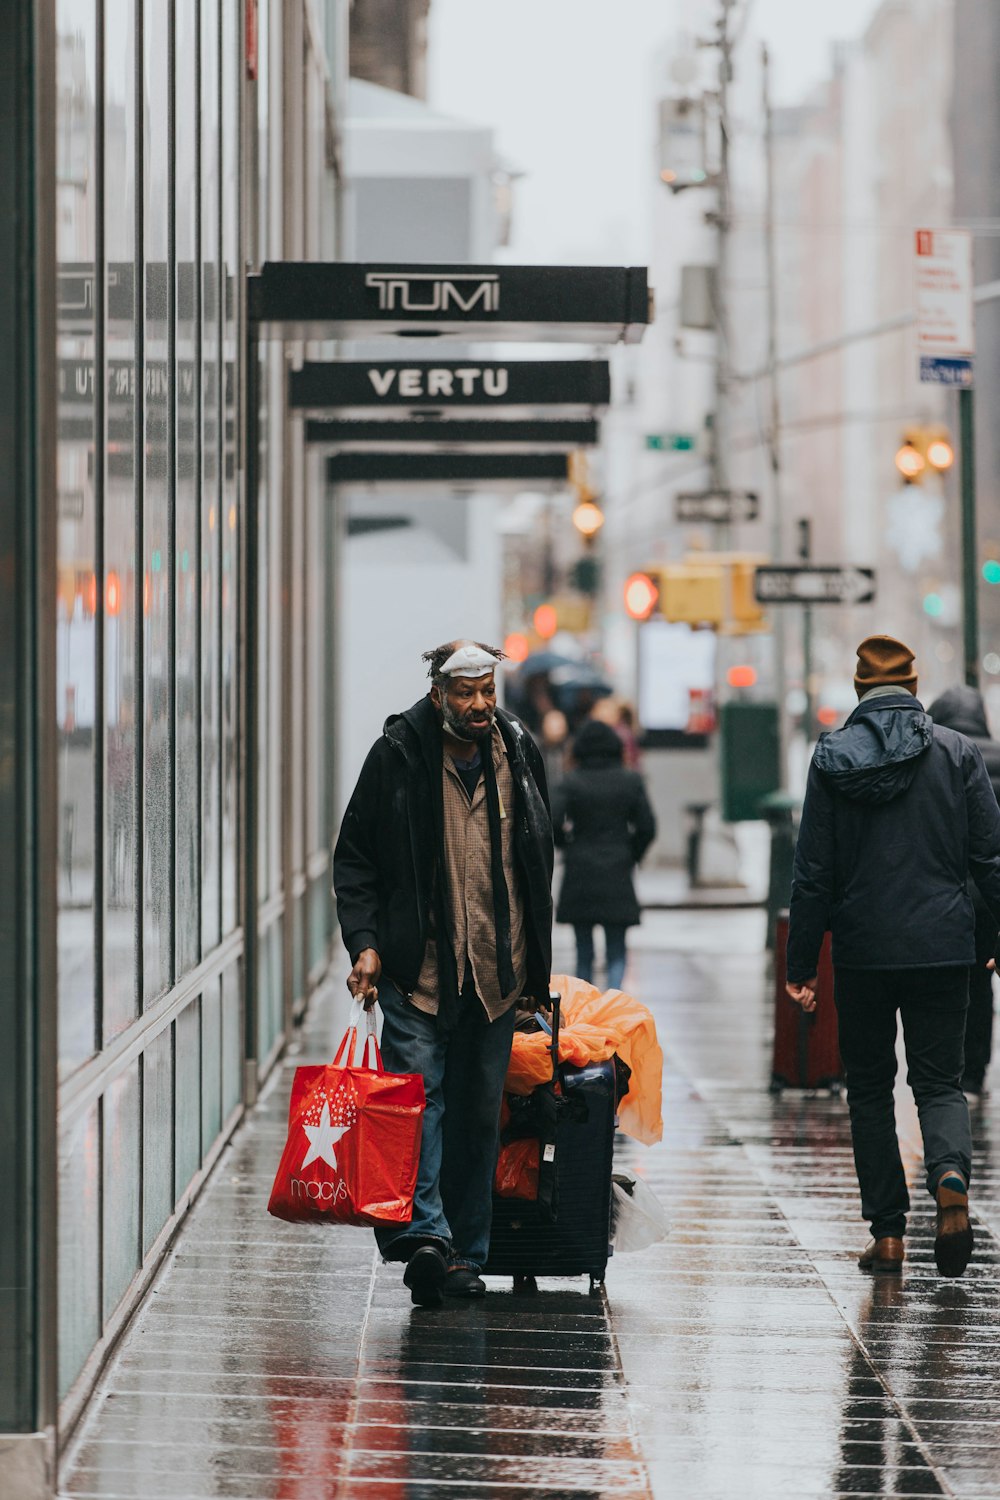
(540, 663)
(575, 681)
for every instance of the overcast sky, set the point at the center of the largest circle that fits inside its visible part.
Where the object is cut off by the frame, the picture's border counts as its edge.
(568, 86)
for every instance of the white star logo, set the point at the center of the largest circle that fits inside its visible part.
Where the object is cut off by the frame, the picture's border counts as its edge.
(322, 1139)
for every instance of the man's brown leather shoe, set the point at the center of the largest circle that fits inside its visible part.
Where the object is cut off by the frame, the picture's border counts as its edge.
(953, 1245)
(884, 1256)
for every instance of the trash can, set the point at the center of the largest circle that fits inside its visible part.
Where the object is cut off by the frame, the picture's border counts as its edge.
(695, 814)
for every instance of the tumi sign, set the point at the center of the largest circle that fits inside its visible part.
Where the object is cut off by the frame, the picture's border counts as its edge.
(343, 299)
(460, 384)
(427, 292)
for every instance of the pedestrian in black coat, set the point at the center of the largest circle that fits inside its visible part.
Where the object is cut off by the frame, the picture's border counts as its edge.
(961, 708)
(602, 818)
(898, 814)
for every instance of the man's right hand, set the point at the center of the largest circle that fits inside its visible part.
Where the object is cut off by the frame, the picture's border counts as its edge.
(363, 978)
(803, 994)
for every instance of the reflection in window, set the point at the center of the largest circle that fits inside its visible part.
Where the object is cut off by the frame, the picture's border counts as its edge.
(76, 604)
(229, 531)
(187, 549)
(121, 587)
(211, 493)
(157, 568)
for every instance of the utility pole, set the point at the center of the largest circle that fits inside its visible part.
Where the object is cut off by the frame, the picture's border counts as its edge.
(809, 714)
(774, 425)
(970, 551)
(723, 219)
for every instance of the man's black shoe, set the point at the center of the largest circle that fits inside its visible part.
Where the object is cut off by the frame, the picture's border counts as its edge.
(424, 1275)
(463, 1281)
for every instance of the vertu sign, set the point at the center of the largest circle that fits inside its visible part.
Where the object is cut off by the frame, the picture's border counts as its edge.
(577, 383)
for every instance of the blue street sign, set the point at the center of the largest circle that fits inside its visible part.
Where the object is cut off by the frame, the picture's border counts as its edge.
(936, 371)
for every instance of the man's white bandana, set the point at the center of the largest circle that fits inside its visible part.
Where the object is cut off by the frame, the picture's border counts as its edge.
(469, 661)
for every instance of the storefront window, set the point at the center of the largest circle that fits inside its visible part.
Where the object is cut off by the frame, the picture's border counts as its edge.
(76, 604)
(157, 541)
(187, 549)
(122, 585)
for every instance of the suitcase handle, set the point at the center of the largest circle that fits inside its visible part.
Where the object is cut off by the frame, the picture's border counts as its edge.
(552, 1030)
(555, 1001)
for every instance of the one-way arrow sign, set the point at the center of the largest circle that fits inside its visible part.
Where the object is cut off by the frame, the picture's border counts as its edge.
(814, 585)
(726, 506)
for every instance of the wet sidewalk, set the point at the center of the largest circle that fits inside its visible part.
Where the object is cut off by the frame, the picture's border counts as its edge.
(744, 1357)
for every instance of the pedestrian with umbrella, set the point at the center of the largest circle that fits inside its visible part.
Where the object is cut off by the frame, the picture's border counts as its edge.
(603, 820)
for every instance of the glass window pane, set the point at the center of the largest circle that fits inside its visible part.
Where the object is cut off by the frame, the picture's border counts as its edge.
(211, 639)
(76, 644)
(232, 1039)
(120, 592)
(188, 781)
(79, 1246)
(187, 1098)
(157, 1137)
(122, 1179)
(157, 559)
(266, 644)
(230, 499)
(211, 1065)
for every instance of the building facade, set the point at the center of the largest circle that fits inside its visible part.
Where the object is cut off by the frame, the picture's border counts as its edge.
(169, 906)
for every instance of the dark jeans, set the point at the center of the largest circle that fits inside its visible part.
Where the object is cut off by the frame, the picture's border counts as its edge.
(932, 1004)
(614, 937)
(463, 1076)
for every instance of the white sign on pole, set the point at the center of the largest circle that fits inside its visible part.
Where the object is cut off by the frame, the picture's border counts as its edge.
(945, 316)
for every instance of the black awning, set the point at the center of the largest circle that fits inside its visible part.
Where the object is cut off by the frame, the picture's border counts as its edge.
(526, 470)
(577, 387)
(424, 434)
(345, 300)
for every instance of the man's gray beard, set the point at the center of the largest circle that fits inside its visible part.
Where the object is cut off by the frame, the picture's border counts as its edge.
(458, 731)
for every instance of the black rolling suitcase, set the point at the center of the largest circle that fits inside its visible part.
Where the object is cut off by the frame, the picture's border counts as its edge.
(567, 1231)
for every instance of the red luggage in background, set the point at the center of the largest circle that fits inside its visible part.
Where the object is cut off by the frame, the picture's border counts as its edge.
(806, 1048)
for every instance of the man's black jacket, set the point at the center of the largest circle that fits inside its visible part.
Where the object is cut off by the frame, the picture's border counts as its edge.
(385, 863)
(899, 812)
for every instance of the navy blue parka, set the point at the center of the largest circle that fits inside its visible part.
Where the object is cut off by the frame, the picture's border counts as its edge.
(899, 812)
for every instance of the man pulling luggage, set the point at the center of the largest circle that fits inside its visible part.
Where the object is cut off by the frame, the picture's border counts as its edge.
(898, 813)
(443, 873)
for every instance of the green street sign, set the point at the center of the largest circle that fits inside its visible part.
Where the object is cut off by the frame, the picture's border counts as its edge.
(670, 442)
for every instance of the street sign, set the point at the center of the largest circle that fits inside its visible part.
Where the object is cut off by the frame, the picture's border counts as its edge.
(728, 507)
(356, 300)
(510, 387)
(945, 317)
(806, 584)
(670, 442)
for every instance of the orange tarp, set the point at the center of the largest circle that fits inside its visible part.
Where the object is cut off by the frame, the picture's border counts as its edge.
(594, 1026)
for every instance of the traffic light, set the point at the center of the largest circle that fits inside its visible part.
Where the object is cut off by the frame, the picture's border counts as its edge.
(641, 593)
(923, 448)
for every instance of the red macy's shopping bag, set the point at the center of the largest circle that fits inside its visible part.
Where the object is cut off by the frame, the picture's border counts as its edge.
(353, 1141)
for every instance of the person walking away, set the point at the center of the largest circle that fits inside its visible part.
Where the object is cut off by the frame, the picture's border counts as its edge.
(603, 820)
(443, 875)
(961, 708)
(898, 813)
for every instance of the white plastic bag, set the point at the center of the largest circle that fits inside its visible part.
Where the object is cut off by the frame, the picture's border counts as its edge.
(639, 1217)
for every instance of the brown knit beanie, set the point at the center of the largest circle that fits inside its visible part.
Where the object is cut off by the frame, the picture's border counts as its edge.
(884, 662)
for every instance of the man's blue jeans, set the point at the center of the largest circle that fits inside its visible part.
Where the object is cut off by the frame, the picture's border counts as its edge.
(463, 1077)
(614, 937)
